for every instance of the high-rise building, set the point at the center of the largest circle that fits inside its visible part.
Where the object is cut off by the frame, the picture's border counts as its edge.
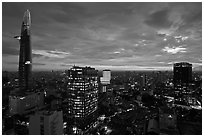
(182, 73)
(20, 100)
(82, 96)
(25, 56)
(46, 123)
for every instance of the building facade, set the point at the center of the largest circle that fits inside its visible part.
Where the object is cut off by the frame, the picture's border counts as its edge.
(182, 78)
(182, 73)
(46, 123)
(106, 77)
(82, 88)
(26, 103)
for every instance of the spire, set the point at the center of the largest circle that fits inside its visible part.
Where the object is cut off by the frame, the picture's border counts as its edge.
(27, 18)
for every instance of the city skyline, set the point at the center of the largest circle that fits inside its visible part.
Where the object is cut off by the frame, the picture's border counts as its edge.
(116, 36)
(82, 100)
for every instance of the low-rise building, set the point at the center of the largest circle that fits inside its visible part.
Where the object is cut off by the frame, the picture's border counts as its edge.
(46, 123)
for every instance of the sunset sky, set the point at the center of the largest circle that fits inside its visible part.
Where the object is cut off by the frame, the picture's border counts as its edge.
(116, 36)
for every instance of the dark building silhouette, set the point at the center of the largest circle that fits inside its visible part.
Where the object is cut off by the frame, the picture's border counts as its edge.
(82, 96)
(25, 56)
(182, 73)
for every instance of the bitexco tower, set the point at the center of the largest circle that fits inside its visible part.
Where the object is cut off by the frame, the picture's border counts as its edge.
(25, 56)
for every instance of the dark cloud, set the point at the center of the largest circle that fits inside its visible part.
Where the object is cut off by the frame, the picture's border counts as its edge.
(66, 65)
(38, 64)
(159, 19)
(191, 21)
(9, 49)
(134, 35)
(189, 11)
(36, 55)
(194, 17)
(34, 63)
(7, 6)
(104, 34)
(161, 35)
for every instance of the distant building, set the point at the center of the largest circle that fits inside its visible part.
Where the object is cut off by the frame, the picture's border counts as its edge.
(22, 104)
(56, 104)
(106, 77)
(104, 88)
(143, 81)
(160, 76)
(153, 127)
(182, 78)
(168, 122)
(82, 96)
(46, 123)
(182, 73)
(105, 80)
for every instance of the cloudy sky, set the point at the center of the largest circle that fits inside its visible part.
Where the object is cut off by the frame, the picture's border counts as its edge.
(116, 36)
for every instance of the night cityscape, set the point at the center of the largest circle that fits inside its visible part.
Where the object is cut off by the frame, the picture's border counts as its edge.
(101, 68)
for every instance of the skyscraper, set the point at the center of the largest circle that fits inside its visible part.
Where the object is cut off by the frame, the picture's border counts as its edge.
(21, 101)
(25, 56)
(82, 96)
(182, 73)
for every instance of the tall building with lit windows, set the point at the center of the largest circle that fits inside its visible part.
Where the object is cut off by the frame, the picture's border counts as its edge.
(82, 96)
